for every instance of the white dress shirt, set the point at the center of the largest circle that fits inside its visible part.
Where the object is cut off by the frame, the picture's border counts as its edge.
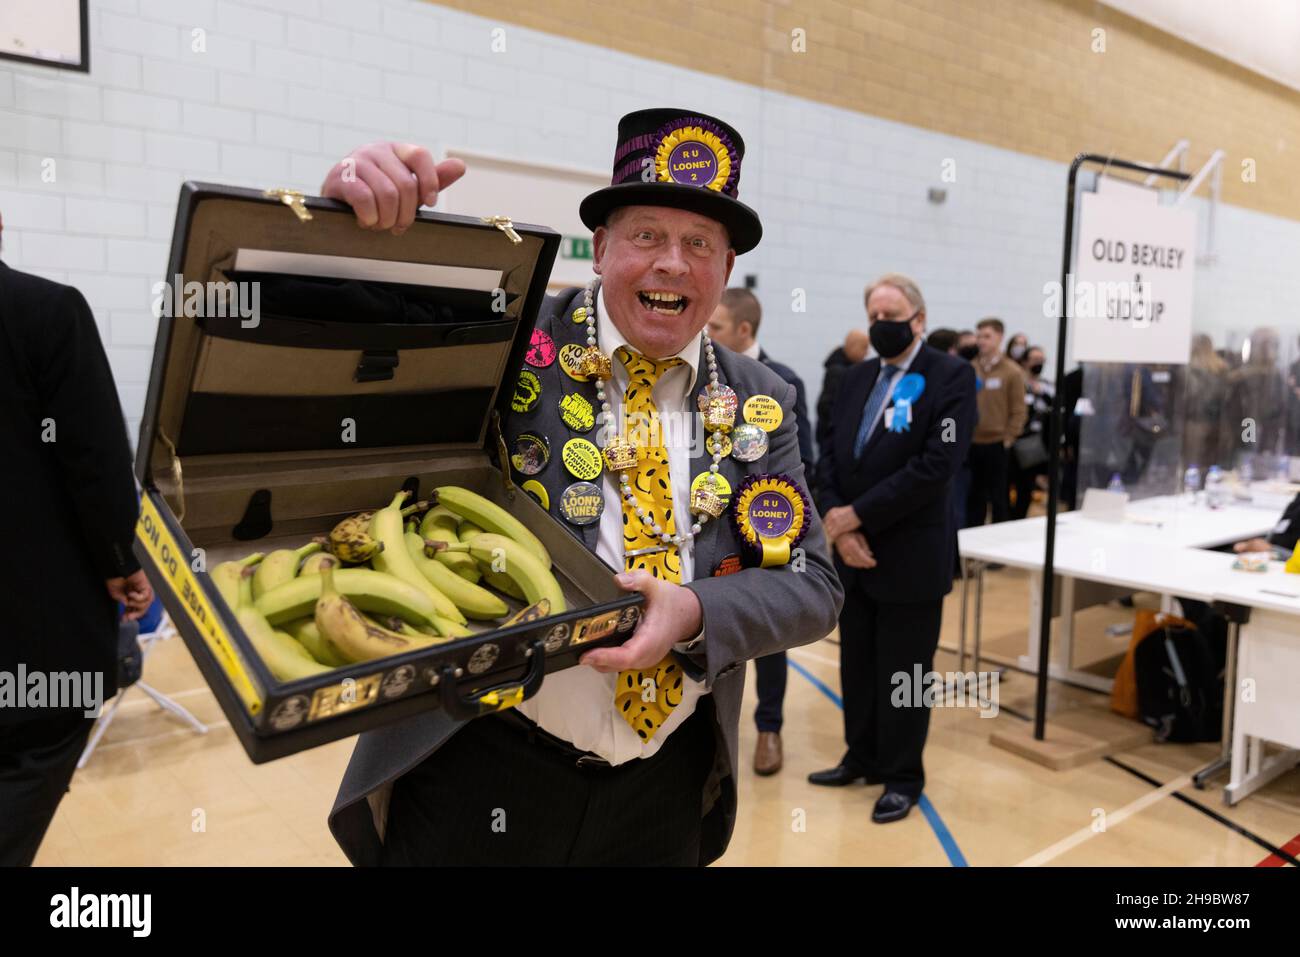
(577, 704)
(903, 364)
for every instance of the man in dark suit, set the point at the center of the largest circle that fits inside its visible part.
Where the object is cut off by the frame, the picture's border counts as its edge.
(734, 324)
(71, 512)
(580, 784)
(900, 428)
(842, 358)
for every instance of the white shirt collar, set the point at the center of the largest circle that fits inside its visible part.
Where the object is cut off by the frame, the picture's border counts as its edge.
(752, 351)
(609, 339)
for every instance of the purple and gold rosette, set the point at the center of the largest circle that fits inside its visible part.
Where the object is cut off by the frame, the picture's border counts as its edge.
(698, 153)
(770, 512)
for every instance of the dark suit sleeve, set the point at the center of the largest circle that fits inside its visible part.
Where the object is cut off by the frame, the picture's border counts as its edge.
(760, 611)
(927, 473)
(1288, 537)
(75, 384)
(805, 427)
(826, 491)
(826, 401)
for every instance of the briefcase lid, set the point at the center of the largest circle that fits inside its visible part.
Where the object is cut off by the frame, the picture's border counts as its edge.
(287, 333)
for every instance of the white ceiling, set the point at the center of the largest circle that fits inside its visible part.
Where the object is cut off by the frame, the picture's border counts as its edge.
(1261, 35)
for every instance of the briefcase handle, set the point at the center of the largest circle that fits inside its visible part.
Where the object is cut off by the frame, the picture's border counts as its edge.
(498, 697)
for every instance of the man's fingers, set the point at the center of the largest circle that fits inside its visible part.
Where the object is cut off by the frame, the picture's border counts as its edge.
(639, 580)
(420, 162)
(449, 170)
(387, 198)
(356, 194)
(408, 199)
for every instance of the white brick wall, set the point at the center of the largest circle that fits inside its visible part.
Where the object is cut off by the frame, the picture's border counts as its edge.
(282, 88)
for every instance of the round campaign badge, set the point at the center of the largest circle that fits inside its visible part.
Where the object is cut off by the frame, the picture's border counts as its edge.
(582, 459)
(532, 452)
(718, 443)
(528, 389)
(541, 350)
(577, 412)
(728, 565)
(538, 491)
(581, 503)
(763, 411)
(722, 488)
(580, 315)
(770, 517)
(748, 442)
(571, 357)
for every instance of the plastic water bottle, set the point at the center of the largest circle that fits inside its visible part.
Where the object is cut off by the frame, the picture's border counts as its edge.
(1116, 483)
(1214, 488)
(1192, 483)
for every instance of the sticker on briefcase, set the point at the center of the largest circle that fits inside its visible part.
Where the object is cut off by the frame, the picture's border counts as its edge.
(289, 713)
(556, 637)
(595, 627)
(348, 695)
(629, 618)
(484, 657)
(397, 682)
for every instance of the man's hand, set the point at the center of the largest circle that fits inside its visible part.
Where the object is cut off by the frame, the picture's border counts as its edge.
(134, 592)
(854, 550)
(671, 614)
(386, 183)
(1253, 545)
(840, 520)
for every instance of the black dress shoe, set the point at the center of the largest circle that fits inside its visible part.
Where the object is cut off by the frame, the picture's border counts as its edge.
(839, 776)
(892, 806)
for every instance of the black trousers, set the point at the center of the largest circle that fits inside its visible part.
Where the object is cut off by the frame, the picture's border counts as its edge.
(877, 641)
(770, 673)
(37, 760)
(988, 483)
(490, 796)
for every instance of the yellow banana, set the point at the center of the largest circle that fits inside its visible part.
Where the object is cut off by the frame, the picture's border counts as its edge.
(439, 524)
(474, 601)
(246, 587)
(491, 517)
(305, 632)
(520, 565)
(313, 563)
(286, 659)
(279, 567)
(226, 577)
(352, 633)
(369, 590)
(386, 527)
(468, 531)
(451, 629)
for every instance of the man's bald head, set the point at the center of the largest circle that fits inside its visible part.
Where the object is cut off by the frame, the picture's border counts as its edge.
(856, 344)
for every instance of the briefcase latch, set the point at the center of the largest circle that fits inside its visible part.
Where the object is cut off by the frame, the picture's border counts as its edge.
(504, 224)
(292, 198)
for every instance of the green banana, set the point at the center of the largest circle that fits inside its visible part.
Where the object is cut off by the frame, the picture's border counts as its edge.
(423, 631)
(286, 659)
(370, 590)
(439, 524)
(386, 527)
(520, 565)
(468, 531)
(279, 567)
(305, 632)
(352, 633)
(313, 563)
(451, 629)
(491, 517)
(246, 587)
(226, 577)
(351, 540)
(474, 601)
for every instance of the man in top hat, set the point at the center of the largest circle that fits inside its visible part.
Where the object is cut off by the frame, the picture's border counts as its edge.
(631, 757)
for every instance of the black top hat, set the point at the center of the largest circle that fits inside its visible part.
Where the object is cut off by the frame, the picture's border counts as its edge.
(680, 159)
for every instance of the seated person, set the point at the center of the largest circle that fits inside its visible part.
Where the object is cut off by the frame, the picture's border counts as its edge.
(1282, 540)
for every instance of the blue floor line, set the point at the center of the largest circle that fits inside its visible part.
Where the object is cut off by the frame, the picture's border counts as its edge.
(946, 840)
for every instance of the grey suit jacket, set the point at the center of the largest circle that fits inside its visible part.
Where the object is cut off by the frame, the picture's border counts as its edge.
(749, 614)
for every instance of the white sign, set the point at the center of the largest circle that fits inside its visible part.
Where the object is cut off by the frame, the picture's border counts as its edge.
(1130, 296)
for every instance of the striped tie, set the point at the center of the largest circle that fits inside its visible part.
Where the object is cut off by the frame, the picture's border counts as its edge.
(874, 402)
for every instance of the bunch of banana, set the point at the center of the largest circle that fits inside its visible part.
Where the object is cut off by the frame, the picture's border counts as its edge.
(474, 601)
(279, 567)
(439, 523)
(286, 659)
(518, 563)
(352, 541)
(352, 633)
(491, 517)
(228, 575)
(305, 632)
(369, 590)
(393, 559)
(501, 582)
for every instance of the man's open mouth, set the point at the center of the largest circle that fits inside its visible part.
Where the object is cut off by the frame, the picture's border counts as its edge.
(667, 303)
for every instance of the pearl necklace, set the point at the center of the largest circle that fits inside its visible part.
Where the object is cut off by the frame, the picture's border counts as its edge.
(607, 419)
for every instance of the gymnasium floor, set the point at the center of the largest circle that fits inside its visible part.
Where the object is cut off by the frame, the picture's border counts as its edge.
(152, 782)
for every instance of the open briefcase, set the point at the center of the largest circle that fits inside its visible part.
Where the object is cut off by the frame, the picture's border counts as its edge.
(369, 364)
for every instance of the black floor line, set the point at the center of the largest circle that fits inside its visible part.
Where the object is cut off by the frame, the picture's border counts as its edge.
(1215, 815)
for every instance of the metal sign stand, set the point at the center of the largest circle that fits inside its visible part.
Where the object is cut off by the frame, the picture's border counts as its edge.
(1057, 416)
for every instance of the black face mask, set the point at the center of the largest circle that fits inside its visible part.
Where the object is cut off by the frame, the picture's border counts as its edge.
(968, 352)
(1036, 368)
(890, 338)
